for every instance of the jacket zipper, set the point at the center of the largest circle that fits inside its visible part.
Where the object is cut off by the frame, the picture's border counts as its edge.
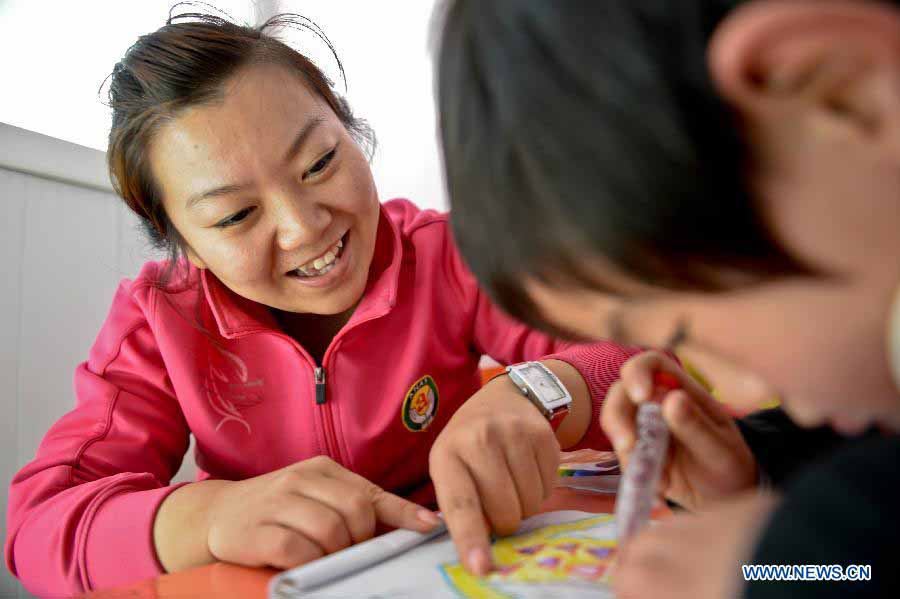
(321, 399)
(320, 385)
(321, 389)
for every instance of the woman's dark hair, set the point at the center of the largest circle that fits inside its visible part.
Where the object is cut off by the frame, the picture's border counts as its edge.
(184, 64)
(580, 129)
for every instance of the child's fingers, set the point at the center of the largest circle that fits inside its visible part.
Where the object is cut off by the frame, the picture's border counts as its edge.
(665, 477)
(637, 374)
(458, 498)
(617, 419)
(708, 404)
(637, 378)
(665, 480)
(695, 431)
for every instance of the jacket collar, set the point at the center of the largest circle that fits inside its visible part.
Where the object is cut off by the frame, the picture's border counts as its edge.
(237, 316)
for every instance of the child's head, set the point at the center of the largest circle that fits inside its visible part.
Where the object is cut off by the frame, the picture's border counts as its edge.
(663, 150)
(234, 150)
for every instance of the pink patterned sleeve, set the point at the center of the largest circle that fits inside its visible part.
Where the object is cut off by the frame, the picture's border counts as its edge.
(599, 365)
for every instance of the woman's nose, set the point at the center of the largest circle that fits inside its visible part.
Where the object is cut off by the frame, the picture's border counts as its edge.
(301, 223)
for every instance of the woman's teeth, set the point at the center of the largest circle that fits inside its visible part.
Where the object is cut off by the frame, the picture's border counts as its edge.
(322, 264)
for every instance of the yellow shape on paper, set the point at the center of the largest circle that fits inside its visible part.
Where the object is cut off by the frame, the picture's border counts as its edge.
(554, 553)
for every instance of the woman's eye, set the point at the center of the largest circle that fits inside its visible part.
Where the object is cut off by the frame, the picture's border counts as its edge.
(319, 166)
(234, 218)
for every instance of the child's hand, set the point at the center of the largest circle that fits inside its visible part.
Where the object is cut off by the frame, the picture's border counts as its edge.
(492, 466)
(693, 556)
(302, 512)
(708, 457)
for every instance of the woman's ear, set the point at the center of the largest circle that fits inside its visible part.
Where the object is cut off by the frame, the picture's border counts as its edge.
(833, 65)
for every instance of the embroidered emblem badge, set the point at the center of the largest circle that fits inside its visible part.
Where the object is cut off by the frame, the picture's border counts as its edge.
(420, 404)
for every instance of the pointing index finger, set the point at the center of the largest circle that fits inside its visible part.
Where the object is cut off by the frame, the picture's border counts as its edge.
(391, 509)
(458, 498)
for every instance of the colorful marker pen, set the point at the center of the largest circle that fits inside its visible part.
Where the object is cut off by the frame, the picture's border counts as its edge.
(638, 487)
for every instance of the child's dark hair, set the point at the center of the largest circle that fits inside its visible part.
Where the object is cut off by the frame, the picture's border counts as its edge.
(183, 64)
(593, 129)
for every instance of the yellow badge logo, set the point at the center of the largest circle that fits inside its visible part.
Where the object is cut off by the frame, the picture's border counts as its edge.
(420, 404)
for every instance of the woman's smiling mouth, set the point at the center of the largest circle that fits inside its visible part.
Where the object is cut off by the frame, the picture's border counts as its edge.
(333, 259)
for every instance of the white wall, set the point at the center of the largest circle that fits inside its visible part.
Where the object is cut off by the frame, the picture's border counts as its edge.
(66, 242)
(51, 88)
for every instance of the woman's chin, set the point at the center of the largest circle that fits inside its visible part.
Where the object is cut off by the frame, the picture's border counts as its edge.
(338, 301)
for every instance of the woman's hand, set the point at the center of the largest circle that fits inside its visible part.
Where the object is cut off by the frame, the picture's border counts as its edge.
(302, 512)
(492, 466)
(708, 457)
(693, 556)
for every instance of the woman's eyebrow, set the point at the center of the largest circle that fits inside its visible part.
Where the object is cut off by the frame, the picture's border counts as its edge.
(212, 193)
(301, 138)
(304, 133)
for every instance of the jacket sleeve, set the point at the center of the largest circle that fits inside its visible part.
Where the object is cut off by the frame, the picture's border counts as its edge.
(81, 512)
(509, 341)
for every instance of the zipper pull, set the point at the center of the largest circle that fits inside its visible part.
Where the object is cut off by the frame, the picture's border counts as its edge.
(320, 385)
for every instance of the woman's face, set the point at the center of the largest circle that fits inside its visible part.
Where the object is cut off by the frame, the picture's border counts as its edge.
(271, 194)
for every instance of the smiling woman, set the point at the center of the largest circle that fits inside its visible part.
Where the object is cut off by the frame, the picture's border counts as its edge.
(183, 78)
(297, 176)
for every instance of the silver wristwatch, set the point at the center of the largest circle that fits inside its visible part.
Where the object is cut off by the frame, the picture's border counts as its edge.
(543, 389)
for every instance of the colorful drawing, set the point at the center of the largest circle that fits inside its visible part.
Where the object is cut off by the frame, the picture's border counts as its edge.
(558, 560)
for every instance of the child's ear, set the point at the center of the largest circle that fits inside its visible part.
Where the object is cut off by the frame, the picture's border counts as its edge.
(833, 65)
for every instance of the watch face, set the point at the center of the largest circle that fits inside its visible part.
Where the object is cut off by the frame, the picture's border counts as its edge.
(538, 380)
